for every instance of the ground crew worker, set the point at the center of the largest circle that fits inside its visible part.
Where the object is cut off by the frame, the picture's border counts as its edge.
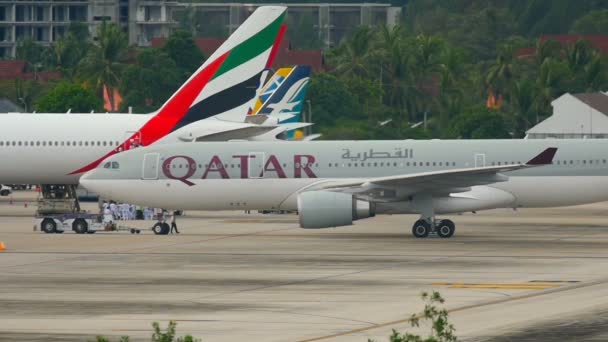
(173, 214)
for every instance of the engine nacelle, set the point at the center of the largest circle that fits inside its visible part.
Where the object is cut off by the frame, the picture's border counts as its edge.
(324, 209)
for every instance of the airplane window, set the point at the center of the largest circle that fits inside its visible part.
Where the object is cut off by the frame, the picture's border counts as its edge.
(1, 143)
(604, 161)
(348, 164)
(19, 143)
(375, 164)
(44, 143)
(329, 164)
(115, 165)
(571, 162)
(356, 164)
(104, 143)
(80, 143)
(107, 165)
(86, 143)
(414, 163)
(453, 163)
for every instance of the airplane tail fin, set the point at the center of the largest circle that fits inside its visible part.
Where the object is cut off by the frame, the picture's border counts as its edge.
(289, 95)
(269, 88)
(228, 79)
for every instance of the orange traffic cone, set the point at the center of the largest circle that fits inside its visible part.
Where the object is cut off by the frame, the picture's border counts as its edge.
(2, 248)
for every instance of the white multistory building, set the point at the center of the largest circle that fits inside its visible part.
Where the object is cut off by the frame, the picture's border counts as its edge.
(47, 20)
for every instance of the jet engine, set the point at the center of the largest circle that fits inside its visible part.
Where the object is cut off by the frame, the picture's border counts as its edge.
(324, 209)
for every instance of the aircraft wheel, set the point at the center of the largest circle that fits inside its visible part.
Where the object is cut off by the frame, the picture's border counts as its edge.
(166, 228)
(80, 226)
(158, 228)
(421, 229)
(445, 229)
(48, 226)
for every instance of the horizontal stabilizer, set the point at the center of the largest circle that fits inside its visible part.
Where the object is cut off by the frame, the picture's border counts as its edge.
(243, 133)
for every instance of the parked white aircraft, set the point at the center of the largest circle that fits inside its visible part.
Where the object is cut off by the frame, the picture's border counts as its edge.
(333, 183)
(213, 102)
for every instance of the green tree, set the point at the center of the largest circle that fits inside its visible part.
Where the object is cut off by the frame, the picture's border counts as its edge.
(500, 74)
(32, 53)
(481, 123)
(436, 317)
(594, 22)
(169, 335)
(150, 82)
(104, 62)
(552, 81)
(523, 105)
(26, 93)
(331, 101)
(180, 46)
(71, 49)
(69, 96)
(352, 57)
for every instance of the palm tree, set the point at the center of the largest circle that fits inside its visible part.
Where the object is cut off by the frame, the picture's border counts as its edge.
(523, 103)
(353, 56)
(500, 75)
(102, 65)
(579, 55)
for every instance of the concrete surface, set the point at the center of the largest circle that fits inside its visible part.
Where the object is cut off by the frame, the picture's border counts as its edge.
(537, 274)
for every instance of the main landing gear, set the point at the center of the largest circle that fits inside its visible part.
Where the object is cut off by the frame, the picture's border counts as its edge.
(443, 228)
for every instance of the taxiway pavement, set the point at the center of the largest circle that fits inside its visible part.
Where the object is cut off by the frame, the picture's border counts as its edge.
(230, 276)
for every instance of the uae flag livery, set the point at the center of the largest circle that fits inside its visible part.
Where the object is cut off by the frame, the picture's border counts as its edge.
(226, 82)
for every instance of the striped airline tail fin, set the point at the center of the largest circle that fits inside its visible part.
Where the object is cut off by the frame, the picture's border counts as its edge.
(288, 99)
(227, 82)
(269, 88)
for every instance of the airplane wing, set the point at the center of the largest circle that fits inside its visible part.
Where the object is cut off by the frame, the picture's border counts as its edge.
(395, 188)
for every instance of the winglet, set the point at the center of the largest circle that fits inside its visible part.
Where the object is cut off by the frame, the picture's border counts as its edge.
(543, 158)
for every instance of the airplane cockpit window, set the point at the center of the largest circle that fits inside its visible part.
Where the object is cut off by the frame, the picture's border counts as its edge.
(115, 165)
(107, 165)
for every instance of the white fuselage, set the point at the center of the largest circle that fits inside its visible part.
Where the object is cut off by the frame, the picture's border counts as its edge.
(48, 148)
(189, 176)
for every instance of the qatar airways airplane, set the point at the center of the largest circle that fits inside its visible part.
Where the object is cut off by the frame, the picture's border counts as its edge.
(213, 102)
(333, 183)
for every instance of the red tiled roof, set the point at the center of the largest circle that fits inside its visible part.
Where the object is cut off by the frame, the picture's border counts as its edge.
(525, 52)
(11, 69)
(285, 56)
(598, 41)
(42, 76)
